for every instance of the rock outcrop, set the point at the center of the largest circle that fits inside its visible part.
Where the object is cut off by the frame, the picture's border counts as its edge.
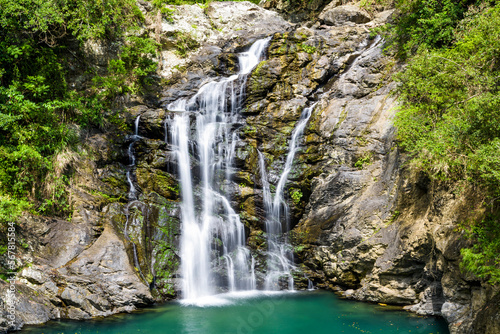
(298, 10)
(334, 15)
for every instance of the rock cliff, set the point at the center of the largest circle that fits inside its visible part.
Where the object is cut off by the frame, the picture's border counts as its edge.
(362, 223)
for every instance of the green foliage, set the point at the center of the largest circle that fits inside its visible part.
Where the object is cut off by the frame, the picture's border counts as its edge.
(55, 200)
(449, 119)
(425, 23)
(393, 217)
(33, 103)
(176, 188)
(370, 4)
(38, 111)
(50, 20)
(106, 199)
(296, 195)
(131, 71)
(450, 114)
(307, 48)
(185, 43)
(364, 160)
(160, 3)
(299, 248)
(11, 208)
(165, 11)
(482, 259)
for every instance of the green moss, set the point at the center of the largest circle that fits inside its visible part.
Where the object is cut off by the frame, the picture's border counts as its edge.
(167, 261)
(307, 48)
(296, 195)
(158, 181)
(249, 130)
(185, 43)
(364, 160)
(342, 117)
(393, 218)
(115, 182)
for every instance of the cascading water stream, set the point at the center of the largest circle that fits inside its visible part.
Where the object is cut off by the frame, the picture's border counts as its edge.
(132, 193)
(211, 229)
(310, 285)
(280, 255)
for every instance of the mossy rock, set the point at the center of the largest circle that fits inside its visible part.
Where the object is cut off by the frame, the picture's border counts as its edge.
(248, 205)
(155, 180)
(251, 222)
(244, 177)
(114, 182)
(257, 240)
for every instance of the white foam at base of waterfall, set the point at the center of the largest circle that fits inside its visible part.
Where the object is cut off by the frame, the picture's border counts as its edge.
(230, 298)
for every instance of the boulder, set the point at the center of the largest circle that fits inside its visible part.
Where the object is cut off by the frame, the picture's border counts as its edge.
(344, 15)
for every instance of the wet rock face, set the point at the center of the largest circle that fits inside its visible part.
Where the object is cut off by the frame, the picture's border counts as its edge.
(366, 224)
(340, 68)
(363, 223)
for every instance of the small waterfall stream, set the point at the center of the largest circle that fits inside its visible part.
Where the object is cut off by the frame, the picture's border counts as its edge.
(210, 226)
(280, 254)
(132, 193)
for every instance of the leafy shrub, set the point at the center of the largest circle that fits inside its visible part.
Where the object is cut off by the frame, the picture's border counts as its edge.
(482, 258)
(50, 20)
(36, 104)
(425, 23)
(450, 113)
(449, 119)
(185, 43)
(296, 195)
(131, 71)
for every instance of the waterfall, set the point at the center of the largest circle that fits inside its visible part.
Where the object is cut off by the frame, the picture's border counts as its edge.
(280, 255)
(310, 285)
(211, 229)
(132, 193)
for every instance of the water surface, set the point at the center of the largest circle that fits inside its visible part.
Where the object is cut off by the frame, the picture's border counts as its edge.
(259, 313)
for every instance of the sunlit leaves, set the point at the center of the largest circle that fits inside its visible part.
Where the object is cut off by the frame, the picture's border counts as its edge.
(449, 121)
(450, 104)
(36, 105)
